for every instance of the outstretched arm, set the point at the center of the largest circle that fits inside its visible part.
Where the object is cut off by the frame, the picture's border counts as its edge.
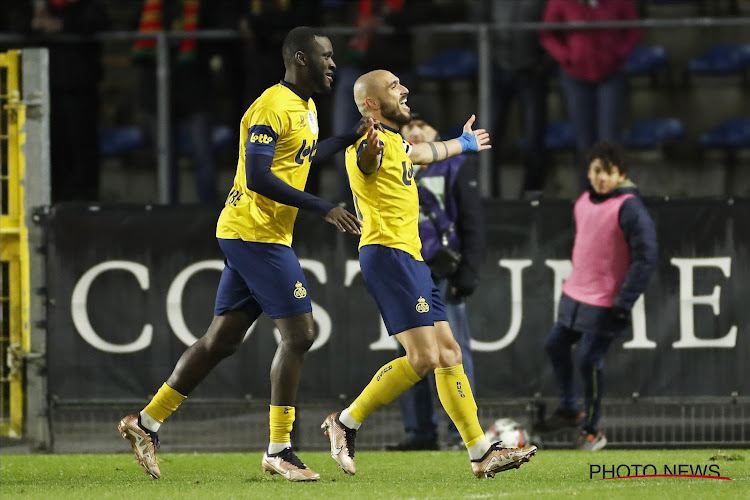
(470, 140)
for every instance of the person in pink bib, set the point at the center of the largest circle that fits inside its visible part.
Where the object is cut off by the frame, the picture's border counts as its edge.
(614, 255)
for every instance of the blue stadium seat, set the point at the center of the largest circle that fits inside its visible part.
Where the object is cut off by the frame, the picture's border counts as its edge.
(221, 136)
(646, 59)
(721, 60)
(651, 133)
(450, 64)
(119, 141)
(560, 136)
(732, 133)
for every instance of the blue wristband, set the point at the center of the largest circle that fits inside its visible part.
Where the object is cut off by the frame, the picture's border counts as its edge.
(468, 142)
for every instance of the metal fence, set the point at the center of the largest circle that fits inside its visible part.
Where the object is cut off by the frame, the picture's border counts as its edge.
(480, 32)
(243, 425)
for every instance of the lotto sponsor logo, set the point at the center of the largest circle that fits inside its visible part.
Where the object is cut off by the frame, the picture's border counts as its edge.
(261, 138)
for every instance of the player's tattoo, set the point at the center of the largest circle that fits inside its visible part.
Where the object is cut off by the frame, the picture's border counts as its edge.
(434, 152)
(445, 146)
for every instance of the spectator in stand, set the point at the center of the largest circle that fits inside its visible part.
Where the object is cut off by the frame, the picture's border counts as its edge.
(592, 63)
(191, 93)
(75, 71)
(521, 71)
(268, 22)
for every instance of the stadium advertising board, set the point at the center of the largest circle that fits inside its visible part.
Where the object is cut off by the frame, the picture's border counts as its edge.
(131, 287)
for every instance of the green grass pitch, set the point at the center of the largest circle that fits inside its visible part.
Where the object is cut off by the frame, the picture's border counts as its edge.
(380, 475)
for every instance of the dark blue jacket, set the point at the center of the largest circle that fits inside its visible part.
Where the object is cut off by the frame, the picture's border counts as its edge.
(640, 235)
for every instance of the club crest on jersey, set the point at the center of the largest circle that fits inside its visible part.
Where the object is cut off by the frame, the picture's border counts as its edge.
(312, 120)
(422, 305)
(300, 292)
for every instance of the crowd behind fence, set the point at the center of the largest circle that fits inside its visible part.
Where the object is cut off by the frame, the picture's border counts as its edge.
(481, 34)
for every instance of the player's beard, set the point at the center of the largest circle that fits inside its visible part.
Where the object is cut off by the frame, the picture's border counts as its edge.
(395, 114)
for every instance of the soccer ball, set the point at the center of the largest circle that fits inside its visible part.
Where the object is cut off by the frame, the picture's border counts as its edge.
(509, 432)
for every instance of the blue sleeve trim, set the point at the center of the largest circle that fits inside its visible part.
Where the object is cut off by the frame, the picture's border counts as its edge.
(261, 140)
(263, 181)
(361, 147)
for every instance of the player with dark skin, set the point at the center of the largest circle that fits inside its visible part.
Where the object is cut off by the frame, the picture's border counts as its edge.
(310, 73)
(255, 237)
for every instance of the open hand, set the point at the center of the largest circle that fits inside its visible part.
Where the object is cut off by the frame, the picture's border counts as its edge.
(481, 138)
(366, 123)
(344, 220)
(374, 146)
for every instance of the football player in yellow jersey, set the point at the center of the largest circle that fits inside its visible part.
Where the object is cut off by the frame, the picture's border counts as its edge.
(278, 143)
(380, 172)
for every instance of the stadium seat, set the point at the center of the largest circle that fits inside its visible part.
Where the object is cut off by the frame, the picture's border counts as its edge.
(732, 133)
(560, 136)
(721, 60)
(221, 136)
(119, 141)
(646, 59)
(651, 133)
(450, 64)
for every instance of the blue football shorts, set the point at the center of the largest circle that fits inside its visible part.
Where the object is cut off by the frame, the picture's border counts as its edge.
(261, 277)
(402, 287)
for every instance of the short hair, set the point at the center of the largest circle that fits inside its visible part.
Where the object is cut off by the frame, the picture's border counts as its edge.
(610, 153)
(419, 123)
(299, 38)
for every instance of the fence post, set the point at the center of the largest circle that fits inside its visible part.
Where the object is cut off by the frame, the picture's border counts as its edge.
(36, 150)
(485, 109)
(163, 131)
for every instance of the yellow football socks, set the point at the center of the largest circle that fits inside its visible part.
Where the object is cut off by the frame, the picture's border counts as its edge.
(456, 397)
(392, 380)
(281, 420)
(166, 401)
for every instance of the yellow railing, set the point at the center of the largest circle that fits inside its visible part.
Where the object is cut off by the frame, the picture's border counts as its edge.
(14, 248)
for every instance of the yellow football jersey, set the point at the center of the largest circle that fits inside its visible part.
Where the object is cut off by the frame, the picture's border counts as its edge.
(386, 200)
(283, 124)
